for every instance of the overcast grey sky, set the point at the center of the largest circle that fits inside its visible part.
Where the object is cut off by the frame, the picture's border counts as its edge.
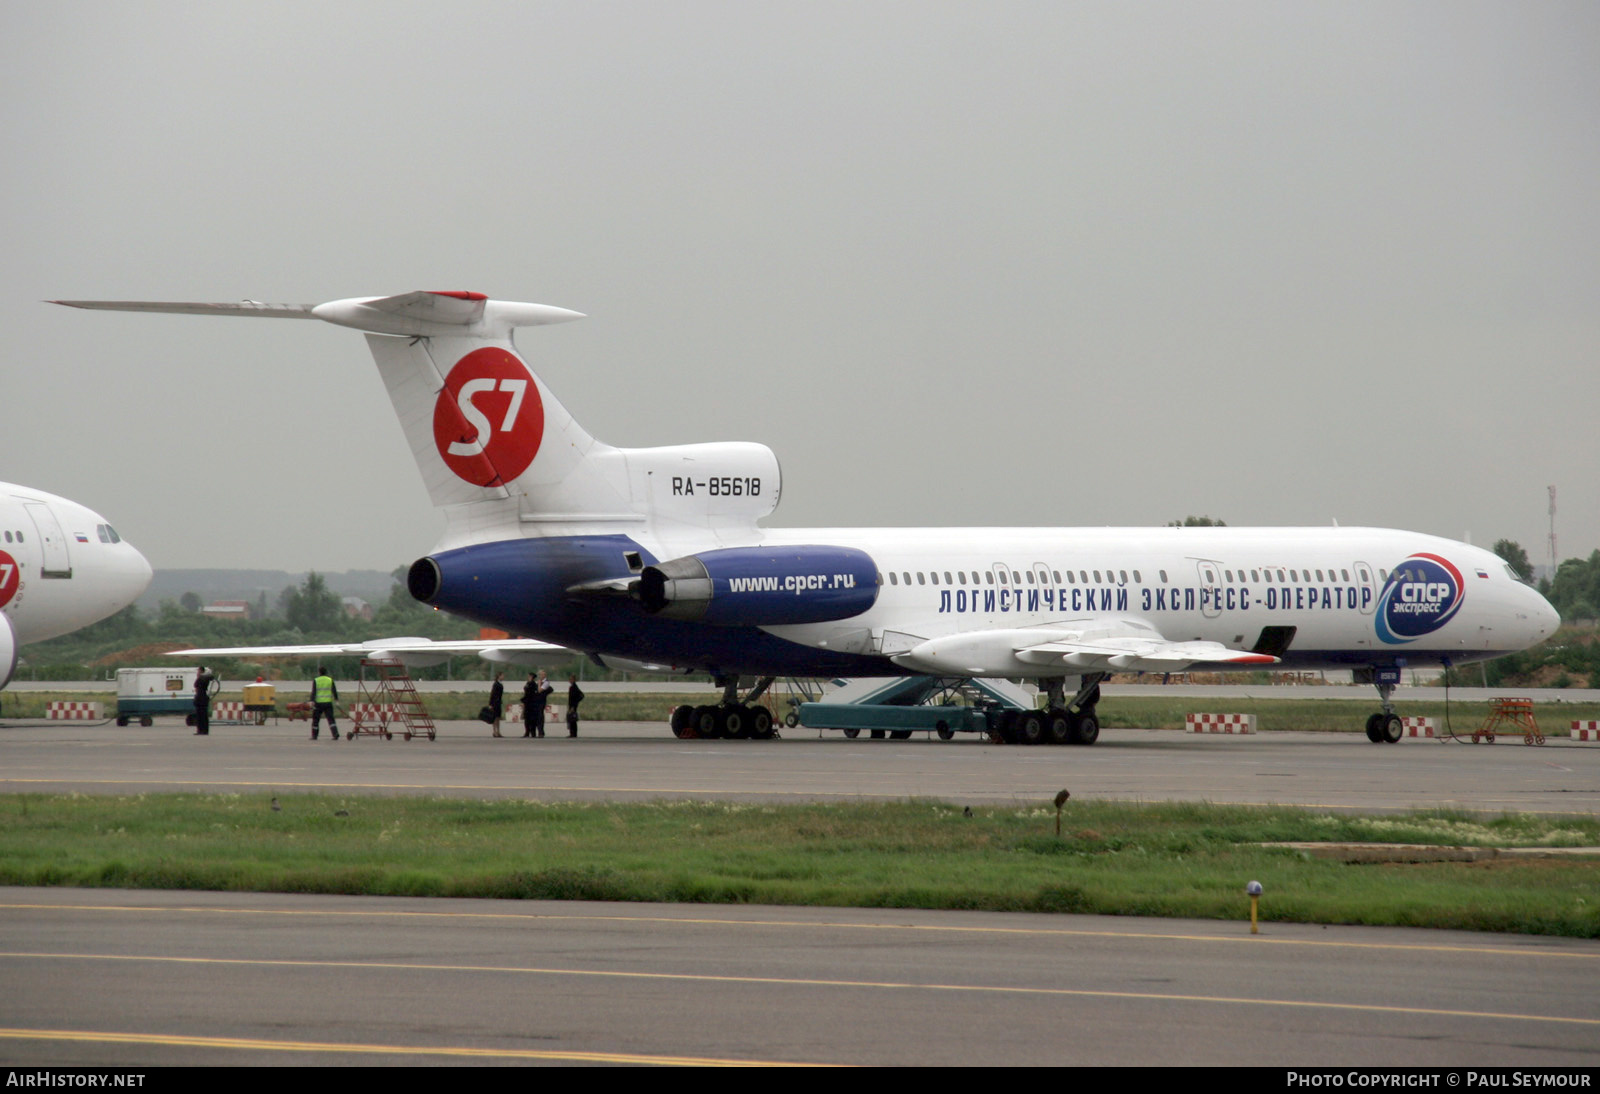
(1053, 263)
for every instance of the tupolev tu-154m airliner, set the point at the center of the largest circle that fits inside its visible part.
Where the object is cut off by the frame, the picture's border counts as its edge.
(656, 556)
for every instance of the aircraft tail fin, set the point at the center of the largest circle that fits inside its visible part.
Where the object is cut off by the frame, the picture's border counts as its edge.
(495, 447)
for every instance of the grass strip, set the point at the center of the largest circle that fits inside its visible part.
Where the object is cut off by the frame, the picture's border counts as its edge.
(1174, 859)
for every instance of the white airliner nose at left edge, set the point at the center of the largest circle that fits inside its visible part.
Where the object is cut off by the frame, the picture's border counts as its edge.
(62, 566)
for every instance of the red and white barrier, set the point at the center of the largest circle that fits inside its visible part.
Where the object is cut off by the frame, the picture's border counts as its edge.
(228, 710)
(1417, 727)
(374, 712)
(72, 711)
(1220, 723)
(1586, 731)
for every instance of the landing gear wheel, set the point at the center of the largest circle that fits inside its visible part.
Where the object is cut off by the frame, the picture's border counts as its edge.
(1030, 728)
(791, 719)
(1375, 728)
(1392, 729)
(736, 722)
(707, 722)
(899, 735)
(1058, 727)
(680, 720)
(945, 732)
(1085, 729)
(761, 723)
(852, 733)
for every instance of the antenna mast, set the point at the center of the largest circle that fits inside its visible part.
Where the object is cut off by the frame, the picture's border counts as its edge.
(1552, 533)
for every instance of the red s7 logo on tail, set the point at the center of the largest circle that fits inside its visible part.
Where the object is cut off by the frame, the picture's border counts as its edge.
(488, 419)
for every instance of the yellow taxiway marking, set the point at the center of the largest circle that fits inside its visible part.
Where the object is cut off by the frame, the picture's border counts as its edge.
(253, 1044)
(809, 982)
(713, 921)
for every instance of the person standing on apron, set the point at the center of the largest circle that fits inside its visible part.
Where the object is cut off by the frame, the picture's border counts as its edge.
(497, 699)
(574, 697)
(323, 694)
(535, 694)
(203, 683)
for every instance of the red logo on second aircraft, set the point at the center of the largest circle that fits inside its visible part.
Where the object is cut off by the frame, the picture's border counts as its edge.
(10, 578)
(488, 421)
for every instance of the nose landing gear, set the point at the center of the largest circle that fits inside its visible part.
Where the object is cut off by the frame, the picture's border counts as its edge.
(1384, 727)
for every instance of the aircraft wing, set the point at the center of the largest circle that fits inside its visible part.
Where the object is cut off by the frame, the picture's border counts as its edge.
(411, 652)
(1141, 655)
(1097, 645)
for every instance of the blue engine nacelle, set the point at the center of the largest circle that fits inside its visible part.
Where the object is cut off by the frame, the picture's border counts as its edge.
(761, 586)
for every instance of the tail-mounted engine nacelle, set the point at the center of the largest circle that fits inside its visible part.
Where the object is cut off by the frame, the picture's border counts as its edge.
(760, 586)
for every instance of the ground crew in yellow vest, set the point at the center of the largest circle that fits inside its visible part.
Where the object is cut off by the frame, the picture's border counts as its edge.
(323, 694)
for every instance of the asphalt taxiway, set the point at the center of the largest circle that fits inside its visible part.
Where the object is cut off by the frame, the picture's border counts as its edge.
(638, 761)
(130, 979)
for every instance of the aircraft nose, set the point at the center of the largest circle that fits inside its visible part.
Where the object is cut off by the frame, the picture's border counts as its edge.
(136, 572)
(1546, 618)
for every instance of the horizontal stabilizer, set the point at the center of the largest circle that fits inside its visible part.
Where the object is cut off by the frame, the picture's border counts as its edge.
(243, 307)
(411, 314)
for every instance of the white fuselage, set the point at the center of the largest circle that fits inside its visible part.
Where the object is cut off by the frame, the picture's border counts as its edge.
(62, 565)
(1223, 585)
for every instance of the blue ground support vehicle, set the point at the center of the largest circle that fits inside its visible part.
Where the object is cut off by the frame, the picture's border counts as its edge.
(899, 706)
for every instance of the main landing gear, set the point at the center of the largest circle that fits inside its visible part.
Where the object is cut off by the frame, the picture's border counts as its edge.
(1384, 727)
(1063, 723)
(731, 718)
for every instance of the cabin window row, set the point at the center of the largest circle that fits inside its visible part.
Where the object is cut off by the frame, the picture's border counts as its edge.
(1289, 577)
(1016, 577)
